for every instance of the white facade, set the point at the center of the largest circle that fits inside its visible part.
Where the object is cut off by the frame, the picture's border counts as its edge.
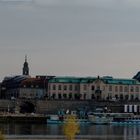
(95, 89)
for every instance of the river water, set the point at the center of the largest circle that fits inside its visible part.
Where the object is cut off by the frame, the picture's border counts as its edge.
(123, 131)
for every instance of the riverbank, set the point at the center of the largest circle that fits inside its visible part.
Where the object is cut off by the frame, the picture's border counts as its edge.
(22, 118)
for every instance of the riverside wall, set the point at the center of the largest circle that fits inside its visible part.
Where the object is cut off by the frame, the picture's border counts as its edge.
(50, 107)
(53, 106)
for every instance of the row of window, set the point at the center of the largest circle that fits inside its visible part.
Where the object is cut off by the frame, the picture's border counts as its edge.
(65, 96)
(65, 87)
(93, 96)
(32, 86)
(30, 94)
(124, 89)
(110, 88)
(117, 88)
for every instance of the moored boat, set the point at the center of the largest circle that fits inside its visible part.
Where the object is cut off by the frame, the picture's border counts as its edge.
(56, 119)
(126, 120)
(100, 118)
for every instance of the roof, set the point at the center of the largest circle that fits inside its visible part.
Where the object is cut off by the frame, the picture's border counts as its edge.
(88, 79)
(33, 82)
(65, 80)
(106, 80)
(13, 81)
(121, 81)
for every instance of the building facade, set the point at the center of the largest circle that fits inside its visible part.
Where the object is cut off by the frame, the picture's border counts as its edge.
(93, 88)
(64, 88)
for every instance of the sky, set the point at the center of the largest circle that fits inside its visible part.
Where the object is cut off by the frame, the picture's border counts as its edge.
(70, 37)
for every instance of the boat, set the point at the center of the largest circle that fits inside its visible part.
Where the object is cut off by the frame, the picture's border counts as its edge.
(126, 119)
(100, 118)
(56, 119)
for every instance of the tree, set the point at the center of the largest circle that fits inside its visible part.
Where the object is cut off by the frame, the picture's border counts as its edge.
(71, 127)
(1, 136)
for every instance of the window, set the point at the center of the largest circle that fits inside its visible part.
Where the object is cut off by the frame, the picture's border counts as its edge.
(132, 89)
(98, 87)
(85, 96)
(121, 97)
(132, 97)
(85, 87)
(116, 96)
(121, 89)
(59, 96)
(76, 87)
(92, 87)
(116, 88)
(125, 89)
(59, 87)
(49, 87)
(126, 97)
(70, 87)
(65, 87)
(137, 89)
(70, 95)
(110, 88)
(92, 96)
(65, 96)
(54, 87)
(53, 96)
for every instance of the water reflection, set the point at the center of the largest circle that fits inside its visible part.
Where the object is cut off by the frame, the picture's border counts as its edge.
(131, 131)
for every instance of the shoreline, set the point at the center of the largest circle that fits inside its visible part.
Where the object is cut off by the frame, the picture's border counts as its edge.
(62, 137)
(23, 118)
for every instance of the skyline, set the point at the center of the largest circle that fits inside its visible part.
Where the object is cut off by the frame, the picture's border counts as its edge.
(76, 38)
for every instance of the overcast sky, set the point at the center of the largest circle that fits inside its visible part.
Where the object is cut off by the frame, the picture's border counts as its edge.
(70, 37)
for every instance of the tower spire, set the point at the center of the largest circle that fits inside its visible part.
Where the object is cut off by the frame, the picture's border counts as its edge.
(25, 58)
(25, 70)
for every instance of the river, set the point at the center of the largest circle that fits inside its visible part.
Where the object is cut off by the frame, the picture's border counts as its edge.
(123, 131)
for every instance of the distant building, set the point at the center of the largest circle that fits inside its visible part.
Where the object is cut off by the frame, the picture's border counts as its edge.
(32, 88)
(10, 86)
(25, 87)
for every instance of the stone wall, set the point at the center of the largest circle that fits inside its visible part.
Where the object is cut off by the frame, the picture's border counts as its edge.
(55, 106)
(49, 106)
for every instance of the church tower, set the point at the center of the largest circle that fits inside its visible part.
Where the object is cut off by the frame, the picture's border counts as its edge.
(25, 67)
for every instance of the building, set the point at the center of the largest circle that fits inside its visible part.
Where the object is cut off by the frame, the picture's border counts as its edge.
(94, 88)
(32, 88)
(10, 86)
(64, 88)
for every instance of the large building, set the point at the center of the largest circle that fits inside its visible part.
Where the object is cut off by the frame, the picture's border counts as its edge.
(69, 88)
(94, 88)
